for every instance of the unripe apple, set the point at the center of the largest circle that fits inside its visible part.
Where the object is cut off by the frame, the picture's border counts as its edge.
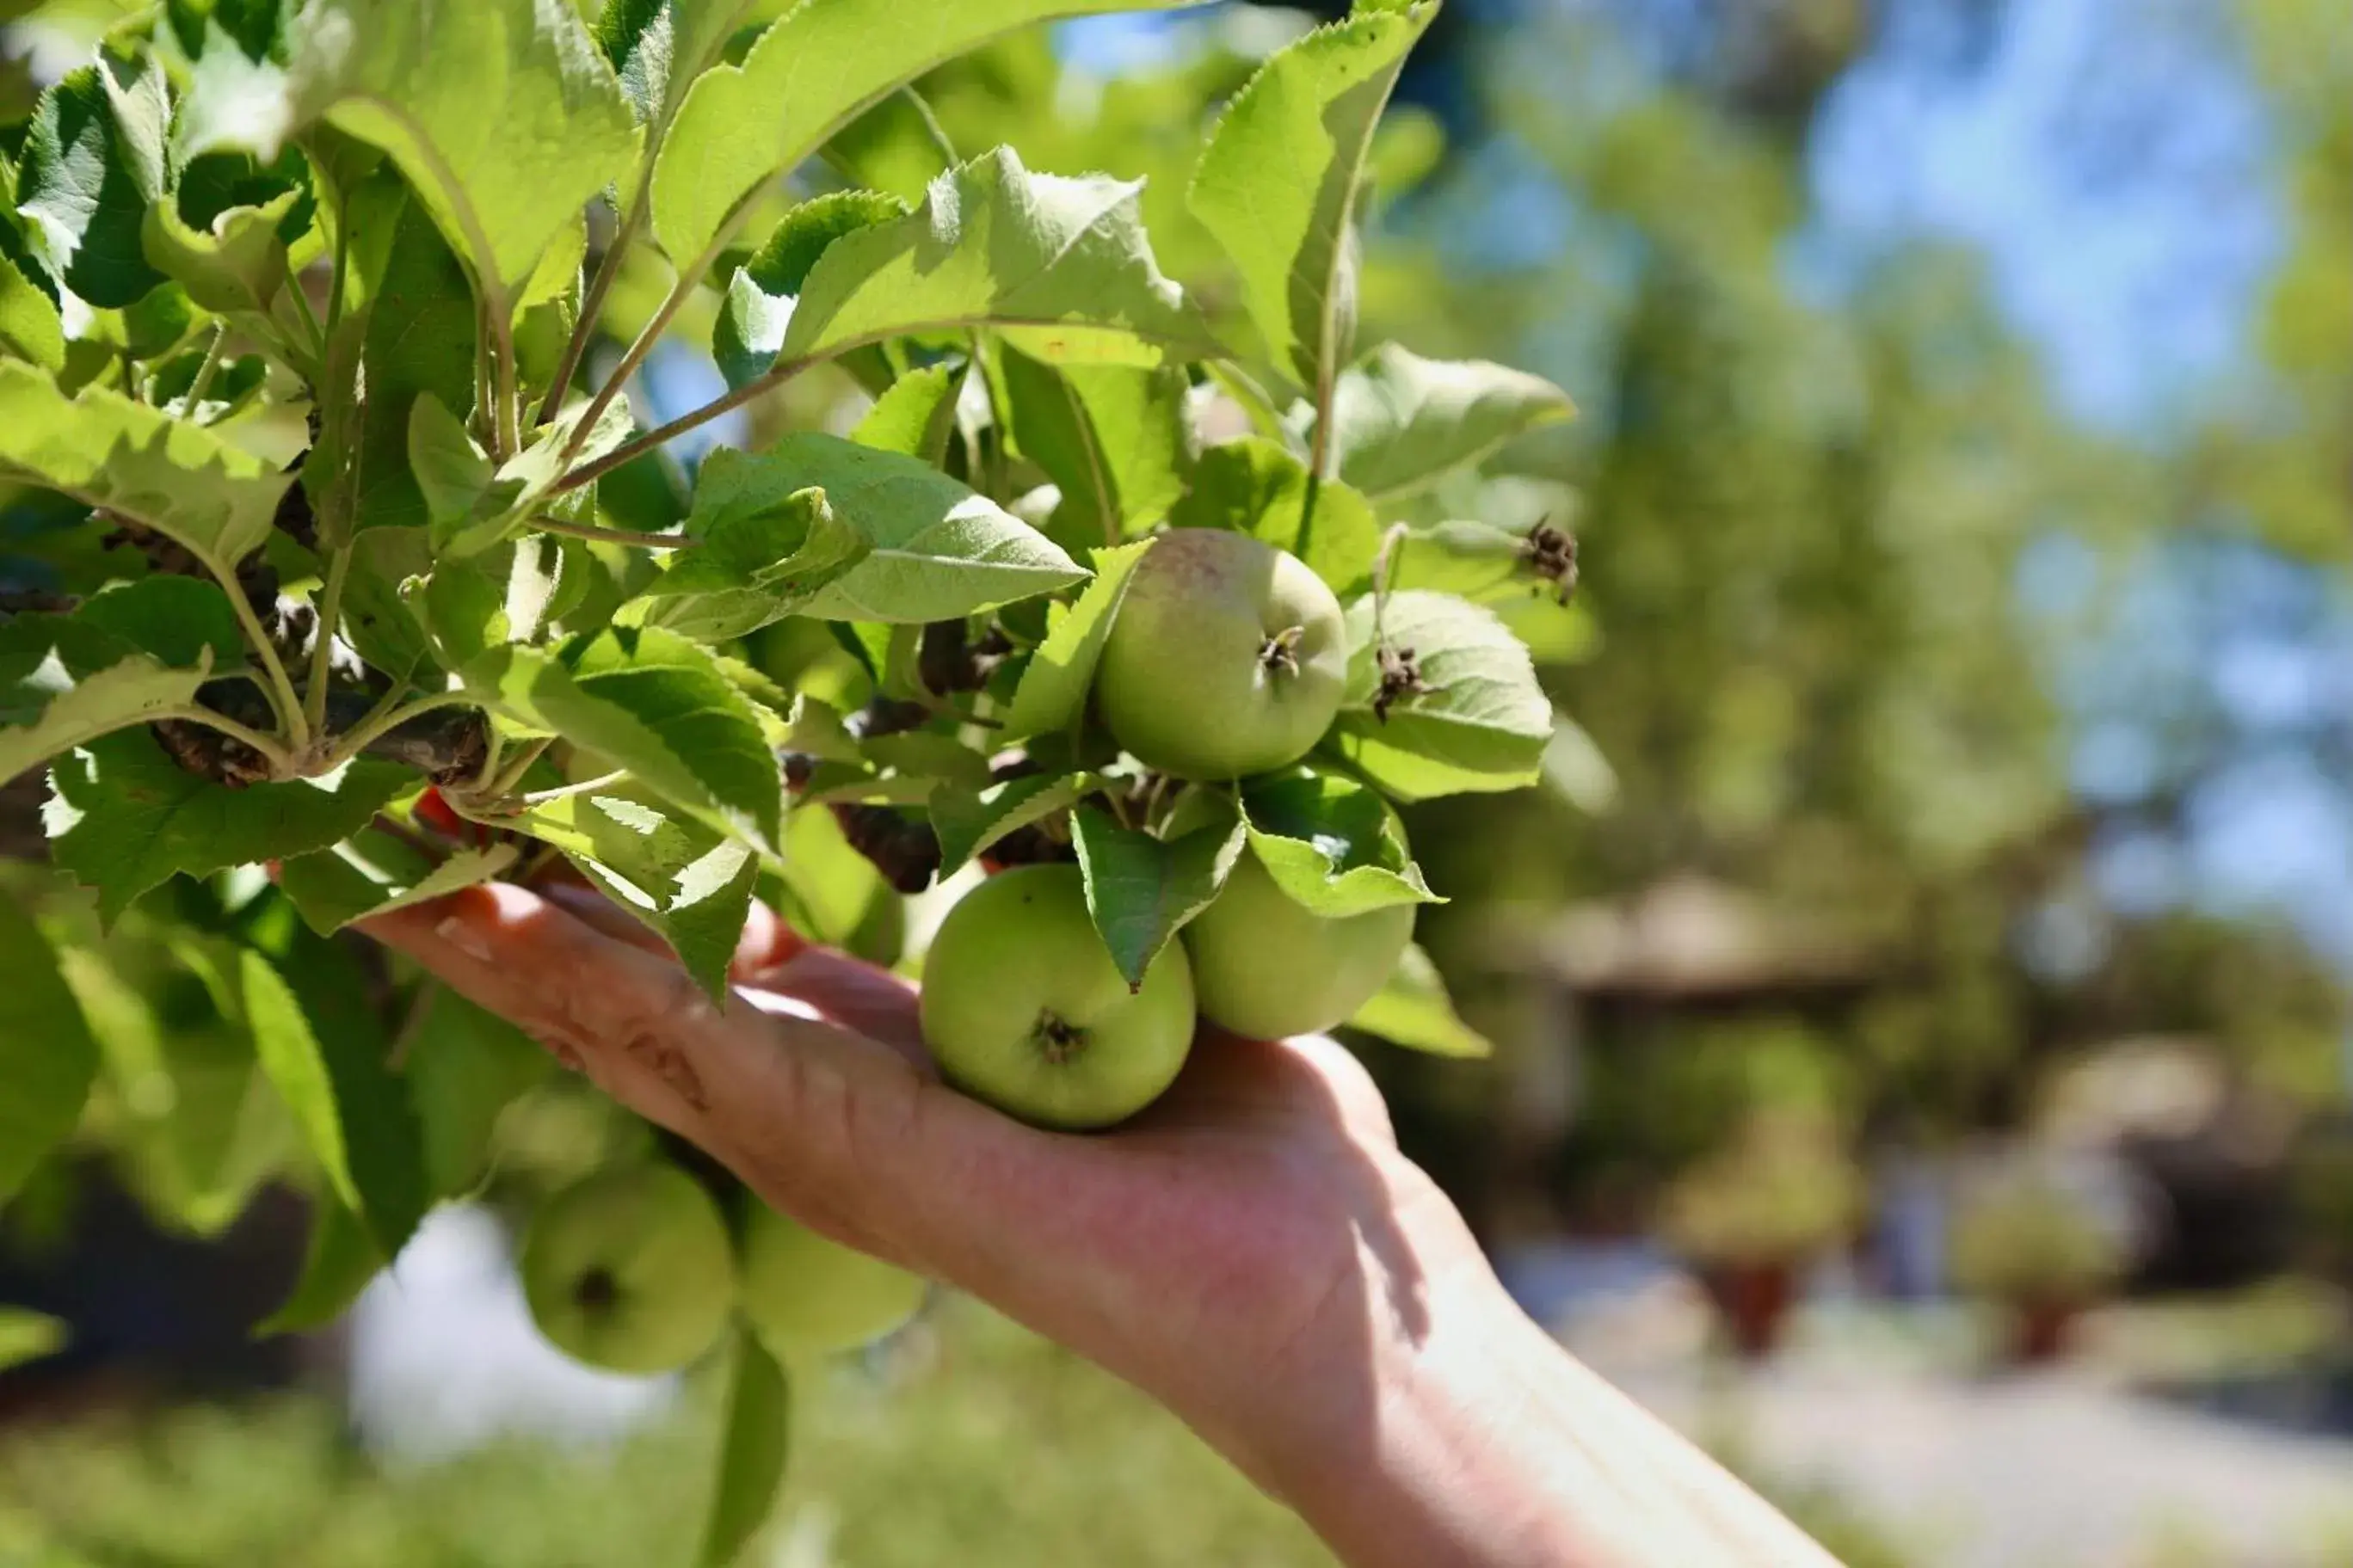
(1229, 657)
(806, 1296)
(1268, 968)
(1023, 1007)
(630, 1270)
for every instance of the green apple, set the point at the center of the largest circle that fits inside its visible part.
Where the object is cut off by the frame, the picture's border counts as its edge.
(806, 1296)
(1229, 657)
(630, 1270)
(1268, 968)
(1023, 1007)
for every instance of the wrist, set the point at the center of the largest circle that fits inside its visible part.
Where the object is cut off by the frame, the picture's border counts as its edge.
(1452, 1454)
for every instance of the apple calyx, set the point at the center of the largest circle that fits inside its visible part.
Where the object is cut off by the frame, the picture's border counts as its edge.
(598, 1293)
(1281, 654)
(1058, 1039)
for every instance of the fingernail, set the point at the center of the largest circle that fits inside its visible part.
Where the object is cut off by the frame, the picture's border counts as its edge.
(464, 938)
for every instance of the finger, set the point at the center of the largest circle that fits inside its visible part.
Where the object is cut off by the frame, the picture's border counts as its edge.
(772, 958)
(568, 986)
(831, 1126)
(859, 995)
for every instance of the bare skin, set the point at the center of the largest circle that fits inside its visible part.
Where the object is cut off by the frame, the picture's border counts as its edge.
(1254, 1252)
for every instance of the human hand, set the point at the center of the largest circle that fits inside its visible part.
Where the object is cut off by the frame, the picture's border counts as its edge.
(1247, 1252)
(1253, 1251)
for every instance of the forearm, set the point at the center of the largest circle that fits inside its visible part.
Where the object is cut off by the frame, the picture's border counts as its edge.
(1495, 1449)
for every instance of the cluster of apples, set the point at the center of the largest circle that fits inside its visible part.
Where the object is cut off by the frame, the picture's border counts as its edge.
(639, 1271)
(1228, 660)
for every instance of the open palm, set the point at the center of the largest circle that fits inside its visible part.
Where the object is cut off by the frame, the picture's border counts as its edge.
(1254, 1234)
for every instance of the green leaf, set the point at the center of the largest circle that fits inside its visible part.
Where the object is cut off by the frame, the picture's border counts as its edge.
(1053, 690)
(30, 327)
(685, 880)
(502, 115)
(237, 265)
(1278, 182)
(354, 1113)
(1332, 845)
(939, 551)
(180, 620)
(755, 560)
(1481, 725)
(1473, 560)
(756, 1444)
(915, 417)
(813, 73)
(970, 822)
(1576, 771)
(93, 162)
(897, 146)
(1141, 890)
(765, 291)
(338, 1264)
(464, 1067)
(1413, 1010)
(377, 620)
(199, 1127)
(453, 473)
(1061, 268)
(256, 28)
(375, 873)
(419, 339)
(1258, 488)
(652, 702)
(106, 451)
(64, 682)
(1113, 438)
(523, 489)
(27, 1337)
(660, 46)
(48, 1057)
(234, 101)
(1400, 423)
(836, 890)
(929, 754)
(125, 818)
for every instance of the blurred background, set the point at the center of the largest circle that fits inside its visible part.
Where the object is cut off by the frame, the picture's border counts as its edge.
(1920, 993)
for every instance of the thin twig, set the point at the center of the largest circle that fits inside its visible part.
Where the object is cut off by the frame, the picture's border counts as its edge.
(206, 371)
(280, 760)
(591, 304)
(310, 318)
(341, 283)
(511, 777)
(278, 688)
(653, 440)
(510, 383)
(616, 384)
(548, 796)
(385, 720)
(596, 535)
(322, 652)
(1319, 454)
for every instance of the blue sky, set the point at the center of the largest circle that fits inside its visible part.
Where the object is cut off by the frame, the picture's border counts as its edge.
(2109, 159)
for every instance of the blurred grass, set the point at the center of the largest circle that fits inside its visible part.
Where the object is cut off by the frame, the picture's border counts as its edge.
(978, 1445)
(972, 1443)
